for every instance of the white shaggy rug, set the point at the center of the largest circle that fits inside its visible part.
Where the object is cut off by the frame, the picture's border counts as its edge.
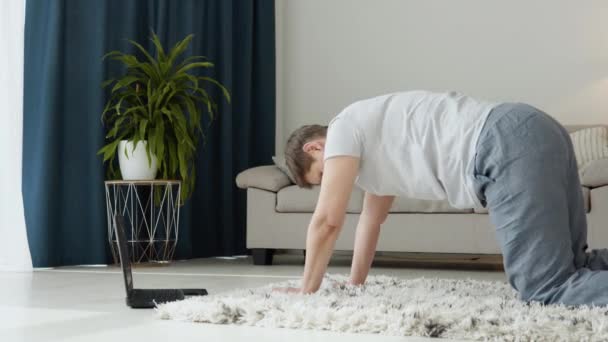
(459, 309)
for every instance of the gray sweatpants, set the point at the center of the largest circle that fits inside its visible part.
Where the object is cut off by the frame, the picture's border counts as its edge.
(526, 175)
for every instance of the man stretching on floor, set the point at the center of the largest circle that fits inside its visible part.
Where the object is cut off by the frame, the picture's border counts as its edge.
(511, 158)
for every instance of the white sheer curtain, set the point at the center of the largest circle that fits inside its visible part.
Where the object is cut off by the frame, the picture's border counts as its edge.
(14, 250)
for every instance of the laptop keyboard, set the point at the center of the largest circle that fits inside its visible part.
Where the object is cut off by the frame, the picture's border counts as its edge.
(147, 297)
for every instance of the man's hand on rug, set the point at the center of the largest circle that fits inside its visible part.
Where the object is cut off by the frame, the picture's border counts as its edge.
(288, 290)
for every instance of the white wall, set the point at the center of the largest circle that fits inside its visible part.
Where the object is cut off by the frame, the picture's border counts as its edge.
(550, 53)
(14, 250)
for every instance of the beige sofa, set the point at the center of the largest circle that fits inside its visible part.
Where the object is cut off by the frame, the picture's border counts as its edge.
(278, 213)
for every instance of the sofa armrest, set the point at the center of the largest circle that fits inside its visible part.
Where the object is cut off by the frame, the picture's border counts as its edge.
(595, 173)
(267, 177)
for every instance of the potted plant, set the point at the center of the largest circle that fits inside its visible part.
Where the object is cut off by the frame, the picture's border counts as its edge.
(154, 113)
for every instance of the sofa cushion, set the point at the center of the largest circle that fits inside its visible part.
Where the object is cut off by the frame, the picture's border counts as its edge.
(293, 199)
(267, 177)
(595, 173)
(410, 205)
(586, 200)
(590, 144)
(574, 128)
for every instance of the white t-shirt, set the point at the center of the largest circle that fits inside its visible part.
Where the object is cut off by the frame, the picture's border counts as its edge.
(415, 144)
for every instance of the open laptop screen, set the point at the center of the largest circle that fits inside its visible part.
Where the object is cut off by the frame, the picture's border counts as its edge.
(123, 251)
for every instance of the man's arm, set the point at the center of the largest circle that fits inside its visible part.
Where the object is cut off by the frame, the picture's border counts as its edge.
(375, 210)
(339, 175)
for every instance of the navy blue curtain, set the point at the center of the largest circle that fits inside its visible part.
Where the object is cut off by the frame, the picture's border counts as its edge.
(63, 177)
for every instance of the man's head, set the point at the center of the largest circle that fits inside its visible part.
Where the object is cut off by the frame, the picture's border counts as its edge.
(304, 154)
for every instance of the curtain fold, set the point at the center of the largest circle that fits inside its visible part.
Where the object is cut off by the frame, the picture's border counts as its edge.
(62, 175)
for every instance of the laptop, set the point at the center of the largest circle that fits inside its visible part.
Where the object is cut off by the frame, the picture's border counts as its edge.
(144, 298)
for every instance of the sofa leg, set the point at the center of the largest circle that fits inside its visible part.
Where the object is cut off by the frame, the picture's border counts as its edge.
(262, 256)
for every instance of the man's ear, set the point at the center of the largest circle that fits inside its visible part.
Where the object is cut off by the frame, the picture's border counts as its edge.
(315, 145)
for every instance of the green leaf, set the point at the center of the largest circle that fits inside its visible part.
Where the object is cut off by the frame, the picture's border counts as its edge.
(193, 112)
(116, 127)
(138, 111)
(163, 96)
(142, 128)
(153, 61)
(182, 124)
(112, 54)
(172, 152)
(135, 141)
(195, 65)
(103, 149)
(160, 142)
(129, 61)
(183, 163)
(168, 113)
(107, 82)
(117, 108)
(219, 85)
(179, 48)
(193, 82)
(149, 93)
(109, 150)
(210, 110)
(126, 81)
(149, 71)
(150, 145)
(159, 47)
(190, 60)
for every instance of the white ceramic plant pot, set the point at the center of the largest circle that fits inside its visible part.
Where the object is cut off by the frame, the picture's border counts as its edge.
(134, 165)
